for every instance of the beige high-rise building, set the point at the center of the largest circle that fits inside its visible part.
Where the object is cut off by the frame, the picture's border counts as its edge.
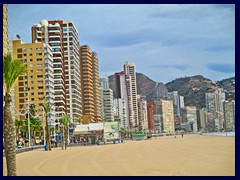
(96, 88)
(35, 86)
(5, 30)
(189, 116)
(130, 69)
(229, 114)
(167, 116)
(91, 102)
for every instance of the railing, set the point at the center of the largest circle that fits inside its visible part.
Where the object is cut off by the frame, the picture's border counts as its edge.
(25, 149)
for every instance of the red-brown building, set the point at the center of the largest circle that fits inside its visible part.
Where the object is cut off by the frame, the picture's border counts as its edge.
(150, 108)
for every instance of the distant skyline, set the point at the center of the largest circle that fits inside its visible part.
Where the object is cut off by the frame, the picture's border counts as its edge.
(166, 41)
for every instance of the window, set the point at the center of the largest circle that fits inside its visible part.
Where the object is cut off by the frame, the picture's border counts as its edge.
(31, 60)
(31, 77)
(32, 94)
(32, 99)
(30, 49)
(30, 54)
(31, 65)
(39, 76)
(39, 59)
(39, 65)
(39, 48)
(21, 100)
(21, 89)
(32, 82)
(31, 71)
(39, 70)
(40, 93)
(19, 50)
(19, 56)
(38, 54)
(32, 88)
(40, 87)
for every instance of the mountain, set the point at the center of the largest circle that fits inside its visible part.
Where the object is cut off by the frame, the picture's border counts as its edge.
(192, 88)
(149, 88)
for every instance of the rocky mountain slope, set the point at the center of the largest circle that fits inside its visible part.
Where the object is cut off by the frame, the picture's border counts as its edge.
(192, 88)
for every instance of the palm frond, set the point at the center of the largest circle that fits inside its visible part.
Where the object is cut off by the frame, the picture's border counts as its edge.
(47, 107)
(65, 119)
(12, 69)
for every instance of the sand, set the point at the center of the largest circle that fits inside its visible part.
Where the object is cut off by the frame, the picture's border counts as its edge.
(192, 155)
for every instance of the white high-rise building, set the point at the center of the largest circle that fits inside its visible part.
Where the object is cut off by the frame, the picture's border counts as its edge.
(130, 70)
(178, 102)
(104, 83)
(215, 100)
(214, 105)
(107, 105)
(62, 36)
(127, 105)
(72, 70)
(142, 111)
(118, 109)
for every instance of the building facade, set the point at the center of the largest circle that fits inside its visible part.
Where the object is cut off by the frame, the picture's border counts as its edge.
(229, 114)
(51, 32)
(142, 111)
(167, 116)
(72, 69)
(214, 101)
(189, 116)
(104, 83)
(35, 86)
(5, 30)
(150, 108)
(96, 88)
(130, 70)
(107, 105)
(91, 101)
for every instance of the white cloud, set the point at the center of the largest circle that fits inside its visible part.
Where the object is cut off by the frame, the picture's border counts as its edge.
(149, 35)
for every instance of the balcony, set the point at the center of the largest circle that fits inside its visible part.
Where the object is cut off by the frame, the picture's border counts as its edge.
(54, 30)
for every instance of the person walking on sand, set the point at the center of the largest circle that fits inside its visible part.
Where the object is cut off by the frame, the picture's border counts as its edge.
(182, 135)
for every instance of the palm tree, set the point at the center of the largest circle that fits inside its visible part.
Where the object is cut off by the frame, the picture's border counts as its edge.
(12, 69)
(35, 126)
(47, 108)
(18, 124)
(80, 120)
(65, 121)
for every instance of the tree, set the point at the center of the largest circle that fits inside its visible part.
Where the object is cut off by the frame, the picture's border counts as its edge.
(12, 69)
(80, 120)
(35, 123)
(65, 121)
(35, 126)
(18, 124)
(47, 108)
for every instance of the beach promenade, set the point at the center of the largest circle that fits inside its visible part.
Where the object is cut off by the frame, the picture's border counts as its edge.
(192, 155)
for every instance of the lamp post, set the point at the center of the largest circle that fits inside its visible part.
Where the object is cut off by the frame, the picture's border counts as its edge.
(28, 111)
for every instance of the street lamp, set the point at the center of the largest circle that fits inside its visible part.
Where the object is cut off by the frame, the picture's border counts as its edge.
(28, 110)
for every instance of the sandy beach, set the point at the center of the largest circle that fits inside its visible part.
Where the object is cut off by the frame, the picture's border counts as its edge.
(192, 155)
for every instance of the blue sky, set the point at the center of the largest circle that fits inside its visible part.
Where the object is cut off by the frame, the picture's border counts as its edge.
(166, 41)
